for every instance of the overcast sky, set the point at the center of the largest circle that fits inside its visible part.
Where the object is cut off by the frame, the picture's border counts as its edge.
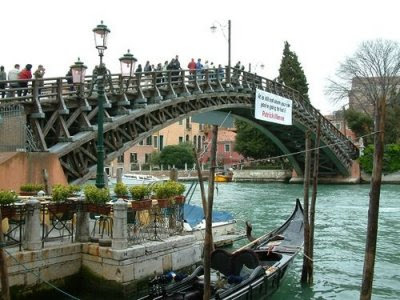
(322, 33)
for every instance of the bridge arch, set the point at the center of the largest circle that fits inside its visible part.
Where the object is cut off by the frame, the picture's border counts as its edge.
(64, 122)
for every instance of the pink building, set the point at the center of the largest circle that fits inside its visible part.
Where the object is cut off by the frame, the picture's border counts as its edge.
(226, 156)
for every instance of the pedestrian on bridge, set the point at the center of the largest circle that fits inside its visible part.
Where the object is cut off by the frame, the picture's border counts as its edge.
(3, 76)
(38, 75)
(165, 71)
(192, 68)
(176, 66)
(25, 75)
(13, 75)
(147, 68)
(199, 69)
(220, 72)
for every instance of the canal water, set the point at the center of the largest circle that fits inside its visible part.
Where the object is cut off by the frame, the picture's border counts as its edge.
(341, 221)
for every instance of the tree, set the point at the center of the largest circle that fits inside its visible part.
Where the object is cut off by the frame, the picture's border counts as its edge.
(359, 122)
(177, 155)
(291, 73)
(375, 68)
(252, 143)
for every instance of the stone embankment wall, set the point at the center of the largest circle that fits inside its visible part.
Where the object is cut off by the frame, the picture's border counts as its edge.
(262, 175)
(120, 269)
(386, 178)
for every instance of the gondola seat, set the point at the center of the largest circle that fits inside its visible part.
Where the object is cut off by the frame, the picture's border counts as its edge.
(243, 258)
(231, 264)
(221, 261)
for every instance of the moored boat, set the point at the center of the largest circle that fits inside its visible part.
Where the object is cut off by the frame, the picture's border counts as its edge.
(136, 179)
(252, 273)
(223, 222)
(219, 177)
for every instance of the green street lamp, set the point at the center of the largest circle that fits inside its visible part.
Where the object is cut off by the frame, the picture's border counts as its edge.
(128, 62)
(100, 37)
(78, 72)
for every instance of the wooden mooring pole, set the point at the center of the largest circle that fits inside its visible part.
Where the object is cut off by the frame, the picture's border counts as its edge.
(313, 202)
(5, 289)
(201, 182)
(208, 236)
(374, 197)
(307, 166)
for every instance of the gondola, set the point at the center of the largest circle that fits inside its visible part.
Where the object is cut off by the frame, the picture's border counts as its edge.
(252, 273)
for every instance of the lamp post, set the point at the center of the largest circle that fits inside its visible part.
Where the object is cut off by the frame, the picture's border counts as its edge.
(100, 37)
(78, 72)
(128, 62)
(213, 29)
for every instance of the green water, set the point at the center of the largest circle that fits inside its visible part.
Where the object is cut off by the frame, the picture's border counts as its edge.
(341, 220)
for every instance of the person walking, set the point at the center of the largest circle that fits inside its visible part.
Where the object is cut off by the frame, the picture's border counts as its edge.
(159, 76)
(25, 75)
(165, 71)
(220, 72)
(70, 81)
(13, 75)
(3, 77)
(38, 75)
(147, 68)
(199, 68)
(176, 66)
(192, 69)
(138, 73)
(211, 72)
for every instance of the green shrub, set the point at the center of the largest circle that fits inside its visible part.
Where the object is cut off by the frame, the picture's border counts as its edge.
(168, 189)
(140, 192)
(391, 158)
(120, 189)
(62, 192)
(7, 197)
(31, 187)
(179, 188)
(95, 195)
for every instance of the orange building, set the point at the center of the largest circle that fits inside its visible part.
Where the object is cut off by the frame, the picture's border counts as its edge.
(139, 156)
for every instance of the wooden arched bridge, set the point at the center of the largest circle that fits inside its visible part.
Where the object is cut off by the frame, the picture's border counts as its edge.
(62, 116)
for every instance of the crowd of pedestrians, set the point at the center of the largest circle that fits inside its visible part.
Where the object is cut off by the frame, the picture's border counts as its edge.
(19, 80)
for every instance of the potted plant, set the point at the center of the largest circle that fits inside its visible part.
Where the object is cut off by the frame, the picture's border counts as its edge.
(179, 190)
(96, 200)
(140, 195)
(7, 198)
(121, 190)
(30, 189)
(61, 208)
(164, 192)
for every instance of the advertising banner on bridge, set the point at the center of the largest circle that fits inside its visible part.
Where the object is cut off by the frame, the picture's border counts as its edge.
(273, 108)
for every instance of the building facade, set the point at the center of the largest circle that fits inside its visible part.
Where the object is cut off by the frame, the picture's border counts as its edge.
(138, 157)
(226, 156)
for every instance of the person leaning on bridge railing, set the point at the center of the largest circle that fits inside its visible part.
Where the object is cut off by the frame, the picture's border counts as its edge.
(25, 75)
(38, 75)
(13, 75)
(3, 76)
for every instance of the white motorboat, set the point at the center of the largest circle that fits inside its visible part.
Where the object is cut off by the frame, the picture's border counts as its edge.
(136, 179)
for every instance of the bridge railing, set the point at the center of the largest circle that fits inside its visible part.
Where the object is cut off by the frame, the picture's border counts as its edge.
(57, 90)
